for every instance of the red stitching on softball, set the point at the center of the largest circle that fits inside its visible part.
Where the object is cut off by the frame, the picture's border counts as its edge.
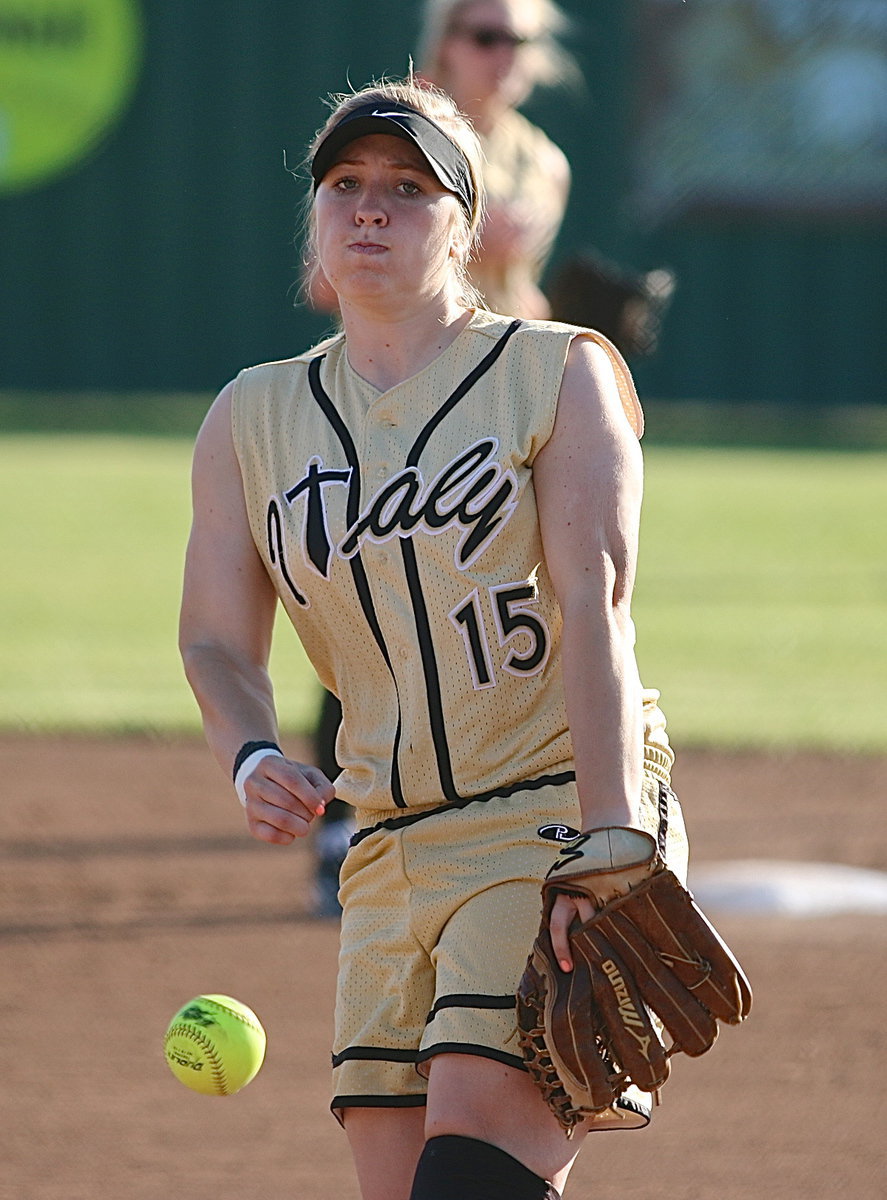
(218, 1069)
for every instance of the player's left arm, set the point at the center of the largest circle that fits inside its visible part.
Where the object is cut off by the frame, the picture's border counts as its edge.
(589, 483)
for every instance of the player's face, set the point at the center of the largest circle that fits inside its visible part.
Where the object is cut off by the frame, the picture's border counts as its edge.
(386, 228)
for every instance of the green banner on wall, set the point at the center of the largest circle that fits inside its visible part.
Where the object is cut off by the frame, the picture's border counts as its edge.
(67, 70)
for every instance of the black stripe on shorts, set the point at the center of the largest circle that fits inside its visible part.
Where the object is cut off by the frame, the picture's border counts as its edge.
(510, 1060)
(466, 1000)
(416, 1101)
(374, 1054)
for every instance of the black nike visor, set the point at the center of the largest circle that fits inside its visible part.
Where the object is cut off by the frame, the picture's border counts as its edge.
(447, 162)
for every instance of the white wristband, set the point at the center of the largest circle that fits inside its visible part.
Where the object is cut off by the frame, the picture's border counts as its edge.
(247, 767)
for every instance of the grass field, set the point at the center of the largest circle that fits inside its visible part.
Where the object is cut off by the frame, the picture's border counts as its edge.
(761, 605)
(95, 528)
(762, 598)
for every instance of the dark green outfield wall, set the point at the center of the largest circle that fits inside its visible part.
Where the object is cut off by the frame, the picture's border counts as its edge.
(164, 258)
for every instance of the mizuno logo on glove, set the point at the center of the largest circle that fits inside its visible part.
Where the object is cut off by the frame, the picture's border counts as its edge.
(627, 1010)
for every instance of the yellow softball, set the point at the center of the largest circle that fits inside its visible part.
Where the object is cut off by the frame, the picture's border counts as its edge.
(215, 1045)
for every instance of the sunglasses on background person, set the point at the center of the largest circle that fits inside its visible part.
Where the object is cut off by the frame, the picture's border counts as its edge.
(486, 37)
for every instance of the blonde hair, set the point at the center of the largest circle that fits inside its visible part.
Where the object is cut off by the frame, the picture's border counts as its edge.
(438, 107)
(544, 61)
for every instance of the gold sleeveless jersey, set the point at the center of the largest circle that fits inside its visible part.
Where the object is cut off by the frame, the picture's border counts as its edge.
(401, 533)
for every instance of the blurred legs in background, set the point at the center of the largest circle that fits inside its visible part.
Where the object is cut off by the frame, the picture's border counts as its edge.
(333, 831)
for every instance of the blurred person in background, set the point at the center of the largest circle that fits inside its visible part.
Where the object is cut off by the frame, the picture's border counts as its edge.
(489, 56)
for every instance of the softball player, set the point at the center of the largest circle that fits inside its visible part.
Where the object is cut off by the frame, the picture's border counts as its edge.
(446, 503)
(489, 55)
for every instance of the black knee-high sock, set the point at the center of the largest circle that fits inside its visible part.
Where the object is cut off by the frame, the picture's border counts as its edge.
(462, 1168)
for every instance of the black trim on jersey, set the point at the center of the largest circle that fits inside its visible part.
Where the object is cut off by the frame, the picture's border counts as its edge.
(414, 583)
(358, 573)
(452, 400)
(526, 785)
(510, 1060)
(431, 673)
(423, 626)
(464, 1000)
(374, 1054)
(274, 532)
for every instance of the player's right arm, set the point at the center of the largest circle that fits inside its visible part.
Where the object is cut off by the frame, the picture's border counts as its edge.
(225, 628)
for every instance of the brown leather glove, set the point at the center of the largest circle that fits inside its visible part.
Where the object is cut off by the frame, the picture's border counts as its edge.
(647, 962)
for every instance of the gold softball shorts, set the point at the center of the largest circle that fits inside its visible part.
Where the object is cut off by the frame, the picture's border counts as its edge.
(440, 909)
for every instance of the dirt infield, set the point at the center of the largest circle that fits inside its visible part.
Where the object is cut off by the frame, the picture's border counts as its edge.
(127, 885)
